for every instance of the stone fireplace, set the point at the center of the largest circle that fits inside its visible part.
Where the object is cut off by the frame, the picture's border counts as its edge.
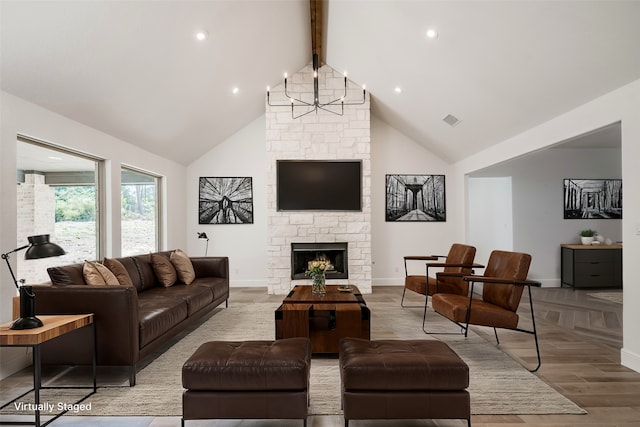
(304, 253)
(318, 136)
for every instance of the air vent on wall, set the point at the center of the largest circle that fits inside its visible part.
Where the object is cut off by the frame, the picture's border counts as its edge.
(451, 120)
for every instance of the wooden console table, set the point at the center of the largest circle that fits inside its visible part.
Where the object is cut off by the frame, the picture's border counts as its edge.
(591, 266)
(53, 327)
(323, 319)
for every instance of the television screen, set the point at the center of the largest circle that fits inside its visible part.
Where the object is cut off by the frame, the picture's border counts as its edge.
(332, 185)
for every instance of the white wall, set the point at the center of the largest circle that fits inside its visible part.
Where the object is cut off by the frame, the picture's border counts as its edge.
(539, 227)
(490, 213)
(244, 154)
(621, 105)
(241, 155)
(21, 117)
(394, 153)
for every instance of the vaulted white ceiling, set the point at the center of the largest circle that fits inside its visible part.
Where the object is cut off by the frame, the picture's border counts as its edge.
(134, 70)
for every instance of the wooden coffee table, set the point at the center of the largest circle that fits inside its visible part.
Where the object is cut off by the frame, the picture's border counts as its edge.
(324, 319)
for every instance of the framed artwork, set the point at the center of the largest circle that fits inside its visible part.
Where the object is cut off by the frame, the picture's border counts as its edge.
(225, 200)
(415, 198)
(592, 198)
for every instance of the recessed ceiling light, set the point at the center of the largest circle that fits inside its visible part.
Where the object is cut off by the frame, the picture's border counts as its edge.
(54, 158)
(201, 35)
(432, 34)
(235, 90)
(398, 89)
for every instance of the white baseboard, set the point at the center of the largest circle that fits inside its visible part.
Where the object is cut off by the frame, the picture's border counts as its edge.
(263, 283)
(549, 283)
(399, 281)
(630, 359)
(392, 281)
(248, 283)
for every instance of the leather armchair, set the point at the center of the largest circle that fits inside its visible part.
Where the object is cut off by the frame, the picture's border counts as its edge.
(455, 265)
(504, 280)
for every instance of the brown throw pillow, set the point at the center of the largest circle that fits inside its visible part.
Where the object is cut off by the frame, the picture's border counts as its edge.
(119, 271)
(164, 270)
(183, 265)
(97, 274)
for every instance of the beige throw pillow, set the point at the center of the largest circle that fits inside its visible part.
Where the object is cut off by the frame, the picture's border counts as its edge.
(119, 271)
(97, 274)
(165, 272)
(183, 265)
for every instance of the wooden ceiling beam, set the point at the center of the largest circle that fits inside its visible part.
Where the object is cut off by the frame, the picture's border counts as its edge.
(316, 9)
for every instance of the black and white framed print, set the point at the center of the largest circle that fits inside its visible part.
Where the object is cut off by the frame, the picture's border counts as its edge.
(592, 199)
(225, 200)
(415, 198)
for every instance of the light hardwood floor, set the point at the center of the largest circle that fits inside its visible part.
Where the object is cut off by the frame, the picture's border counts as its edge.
(580, 338)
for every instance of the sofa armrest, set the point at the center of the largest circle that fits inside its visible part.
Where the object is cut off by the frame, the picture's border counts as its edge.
(211, 266)
(115, 310)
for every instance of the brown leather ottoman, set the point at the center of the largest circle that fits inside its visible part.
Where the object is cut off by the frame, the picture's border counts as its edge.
(402, 379)
(250, 379)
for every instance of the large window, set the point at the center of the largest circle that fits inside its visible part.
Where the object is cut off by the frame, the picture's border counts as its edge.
(139, 213)
(57, 194)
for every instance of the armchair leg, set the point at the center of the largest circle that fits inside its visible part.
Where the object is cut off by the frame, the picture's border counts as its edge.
(407, 306)
(495, 331)
(424, 314)
(535, 331)
(424, 329)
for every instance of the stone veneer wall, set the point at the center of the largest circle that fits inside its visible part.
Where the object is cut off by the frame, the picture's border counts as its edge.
(321, 136)
(36, 215)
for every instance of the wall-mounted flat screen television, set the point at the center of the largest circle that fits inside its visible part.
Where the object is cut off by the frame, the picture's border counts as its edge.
(323, 185)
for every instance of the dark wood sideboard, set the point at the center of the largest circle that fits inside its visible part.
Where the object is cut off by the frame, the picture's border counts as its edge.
(591, 266)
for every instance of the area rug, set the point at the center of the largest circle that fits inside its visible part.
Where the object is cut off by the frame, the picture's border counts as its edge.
(498, 384)
(608, 296)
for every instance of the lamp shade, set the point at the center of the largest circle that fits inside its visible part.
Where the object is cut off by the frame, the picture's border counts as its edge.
(41, 247)
(203, 236)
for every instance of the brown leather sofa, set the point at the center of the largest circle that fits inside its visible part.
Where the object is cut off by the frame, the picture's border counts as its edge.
(131, 321)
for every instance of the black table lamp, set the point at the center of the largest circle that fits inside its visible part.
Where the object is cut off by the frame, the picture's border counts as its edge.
(38, 247)
(203, 236)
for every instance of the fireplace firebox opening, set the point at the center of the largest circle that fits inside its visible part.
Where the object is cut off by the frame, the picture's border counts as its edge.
(303, 253)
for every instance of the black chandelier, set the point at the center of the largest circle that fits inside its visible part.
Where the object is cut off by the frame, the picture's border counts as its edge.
(335, 106)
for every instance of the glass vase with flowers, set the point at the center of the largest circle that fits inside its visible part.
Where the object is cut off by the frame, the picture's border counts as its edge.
(316, 270)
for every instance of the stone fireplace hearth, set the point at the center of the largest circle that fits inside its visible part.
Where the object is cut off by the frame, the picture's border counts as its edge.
(336, 253)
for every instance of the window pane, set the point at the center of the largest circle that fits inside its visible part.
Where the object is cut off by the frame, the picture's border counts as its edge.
(56, 195)
(139, 212)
